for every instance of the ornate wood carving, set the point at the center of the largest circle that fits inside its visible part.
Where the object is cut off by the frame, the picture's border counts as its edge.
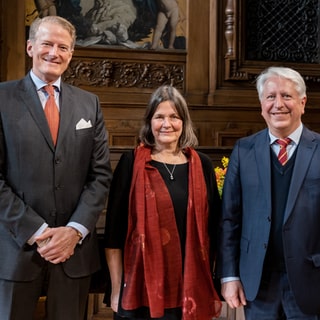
(238, 67)
(123, 74)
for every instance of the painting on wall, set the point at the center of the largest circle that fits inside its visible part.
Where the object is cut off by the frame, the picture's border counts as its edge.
(134, 24)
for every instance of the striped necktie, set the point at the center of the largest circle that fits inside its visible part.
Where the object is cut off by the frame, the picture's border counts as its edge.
(283, 154)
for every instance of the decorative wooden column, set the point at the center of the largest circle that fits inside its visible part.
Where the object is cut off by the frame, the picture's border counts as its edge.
(13, 39)
(229, 30)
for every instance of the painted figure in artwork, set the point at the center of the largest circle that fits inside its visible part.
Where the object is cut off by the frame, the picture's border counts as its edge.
(135, 24)
(168, 13)
(45, 7)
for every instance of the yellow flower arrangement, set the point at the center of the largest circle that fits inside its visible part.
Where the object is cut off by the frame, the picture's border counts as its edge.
(220, 173)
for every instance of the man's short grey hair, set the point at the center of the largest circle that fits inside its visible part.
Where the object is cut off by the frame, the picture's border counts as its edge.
(282, 72)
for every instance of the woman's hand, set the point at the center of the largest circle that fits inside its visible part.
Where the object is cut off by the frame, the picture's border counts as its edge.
(114, 300)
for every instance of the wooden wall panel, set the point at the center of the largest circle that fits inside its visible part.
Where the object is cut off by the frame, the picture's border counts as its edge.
(218, 85)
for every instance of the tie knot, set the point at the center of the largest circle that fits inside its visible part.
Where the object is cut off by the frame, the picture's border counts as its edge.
(49, 89)
(284, 142)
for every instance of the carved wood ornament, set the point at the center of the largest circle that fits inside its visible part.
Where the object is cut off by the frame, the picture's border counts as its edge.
(253, 45)
(108, 73)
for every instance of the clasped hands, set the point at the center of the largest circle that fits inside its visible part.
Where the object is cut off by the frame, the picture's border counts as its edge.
(57, 244)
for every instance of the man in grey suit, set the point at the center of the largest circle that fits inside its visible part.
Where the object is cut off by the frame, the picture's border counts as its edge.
(52, 189)
(269, 259)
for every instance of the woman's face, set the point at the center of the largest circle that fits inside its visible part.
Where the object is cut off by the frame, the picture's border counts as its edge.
(166, 126)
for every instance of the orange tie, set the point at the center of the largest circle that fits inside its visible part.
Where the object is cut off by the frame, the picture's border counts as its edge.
(283, 154)
(52, 113)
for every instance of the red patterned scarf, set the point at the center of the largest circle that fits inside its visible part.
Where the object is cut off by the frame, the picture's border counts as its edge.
(152, 258)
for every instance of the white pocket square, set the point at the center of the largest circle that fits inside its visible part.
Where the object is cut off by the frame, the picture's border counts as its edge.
(83, 124)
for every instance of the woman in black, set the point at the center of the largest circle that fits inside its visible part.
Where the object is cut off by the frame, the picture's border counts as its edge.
(161, 220)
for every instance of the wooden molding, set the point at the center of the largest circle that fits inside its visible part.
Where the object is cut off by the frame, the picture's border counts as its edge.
(100, 72)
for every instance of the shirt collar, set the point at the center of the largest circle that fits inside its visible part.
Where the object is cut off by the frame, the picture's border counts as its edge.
(40, 84)
(294, 136)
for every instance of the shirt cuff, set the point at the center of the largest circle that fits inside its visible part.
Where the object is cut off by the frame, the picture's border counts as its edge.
(228, 279)
(82, 229)
(32, 240)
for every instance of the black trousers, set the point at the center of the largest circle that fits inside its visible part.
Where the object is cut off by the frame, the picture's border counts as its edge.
(66, 297)
(169, 315)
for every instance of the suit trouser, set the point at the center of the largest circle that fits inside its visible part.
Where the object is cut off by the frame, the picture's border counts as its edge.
(275, 300)
(66, 297)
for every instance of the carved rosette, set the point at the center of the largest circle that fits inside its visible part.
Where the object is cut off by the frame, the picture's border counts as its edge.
(109, 73)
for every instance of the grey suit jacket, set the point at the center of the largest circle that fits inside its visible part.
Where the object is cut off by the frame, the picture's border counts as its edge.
(40, 183)
(246, 219)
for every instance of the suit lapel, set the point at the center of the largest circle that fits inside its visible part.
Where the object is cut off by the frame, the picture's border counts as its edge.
(304, 155)
(262, 155)
(66, 112)
(29, 96)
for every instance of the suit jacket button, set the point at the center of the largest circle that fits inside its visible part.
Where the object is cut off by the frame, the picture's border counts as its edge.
(53, 213)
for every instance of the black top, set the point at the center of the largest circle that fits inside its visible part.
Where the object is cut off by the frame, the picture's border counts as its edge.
(118, 202)
(178, 190)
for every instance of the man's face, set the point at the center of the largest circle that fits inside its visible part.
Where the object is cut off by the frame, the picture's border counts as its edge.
(281, 106)
(50, 51)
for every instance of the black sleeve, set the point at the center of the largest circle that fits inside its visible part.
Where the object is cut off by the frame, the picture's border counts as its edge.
(118, 202)
(214, 203)
(215, 207)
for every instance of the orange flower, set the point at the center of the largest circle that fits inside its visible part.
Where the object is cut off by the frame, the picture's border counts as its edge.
(220, 174)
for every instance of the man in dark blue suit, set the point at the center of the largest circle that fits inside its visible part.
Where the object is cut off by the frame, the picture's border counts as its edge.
(53, 185)
(269, 259)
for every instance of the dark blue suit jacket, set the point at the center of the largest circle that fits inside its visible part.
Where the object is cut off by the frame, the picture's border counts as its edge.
(246, 221)
(40, 183)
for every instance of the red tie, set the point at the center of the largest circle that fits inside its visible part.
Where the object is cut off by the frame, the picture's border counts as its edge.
(283, 154)
(52, 113)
